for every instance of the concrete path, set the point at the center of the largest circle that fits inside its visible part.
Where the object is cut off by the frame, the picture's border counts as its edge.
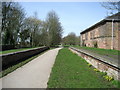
(34, 74)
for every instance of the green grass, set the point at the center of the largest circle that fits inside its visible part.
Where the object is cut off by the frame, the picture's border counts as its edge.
(107, 52)
(116, 83)
(14, 50)
(66, 45)
(14, 67)
(71, 71)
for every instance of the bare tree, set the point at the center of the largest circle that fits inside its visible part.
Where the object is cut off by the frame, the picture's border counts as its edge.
(112, 6)
(54, 28)
(12, 20)
(32, 26)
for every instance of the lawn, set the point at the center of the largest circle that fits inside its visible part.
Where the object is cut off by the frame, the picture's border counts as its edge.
(106, 52)
(14, 50)
(71, 71)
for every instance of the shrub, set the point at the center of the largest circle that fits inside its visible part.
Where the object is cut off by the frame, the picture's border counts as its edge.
(95, 44)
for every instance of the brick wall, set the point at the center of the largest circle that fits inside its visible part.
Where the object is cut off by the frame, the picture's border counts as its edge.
(102, 35)
(101, 66)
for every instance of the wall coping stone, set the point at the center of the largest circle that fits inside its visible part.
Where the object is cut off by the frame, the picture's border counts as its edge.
(104, 59)
(21, 51)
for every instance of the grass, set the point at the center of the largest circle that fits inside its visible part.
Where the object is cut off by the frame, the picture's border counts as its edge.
(14, 50)
(66, 45)
(106, 52)
(14, 67)
(71, 71)
(116, 83)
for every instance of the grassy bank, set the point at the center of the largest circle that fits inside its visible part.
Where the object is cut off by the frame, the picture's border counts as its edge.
(15, 50)
(71, 71)
(106, 52)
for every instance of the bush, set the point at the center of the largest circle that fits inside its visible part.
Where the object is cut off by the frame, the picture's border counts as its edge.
(66, 46)
(11, 59)
(7, 47)
(95, 44)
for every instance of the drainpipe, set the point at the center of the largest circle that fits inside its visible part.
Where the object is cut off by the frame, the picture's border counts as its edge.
(81, 40)
(112, 35)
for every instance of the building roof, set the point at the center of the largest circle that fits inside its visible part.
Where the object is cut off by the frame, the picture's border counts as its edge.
(115, 17)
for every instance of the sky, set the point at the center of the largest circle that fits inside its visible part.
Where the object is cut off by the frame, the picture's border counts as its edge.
(74, 16)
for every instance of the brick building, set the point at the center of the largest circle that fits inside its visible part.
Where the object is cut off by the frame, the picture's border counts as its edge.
(104, 34)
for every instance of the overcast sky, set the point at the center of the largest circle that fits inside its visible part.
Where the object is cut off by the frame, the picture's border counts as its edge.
(74, 16)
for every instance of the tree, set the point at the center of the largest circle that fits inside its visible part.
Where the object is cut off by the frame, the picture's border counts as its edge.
(24, 36)
(32, 27)
(77, 40)
(44, 34)
(30, 31)
(12, 21)
(112, 6)
(71, 39)
(54, 28)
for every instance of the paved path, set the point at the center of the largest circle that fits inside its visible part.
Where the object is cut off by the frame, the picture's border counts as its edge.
(34, 74)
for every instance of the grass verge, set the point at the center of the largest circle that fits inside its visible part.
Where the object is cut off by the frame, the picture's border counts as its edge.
(106, 52)
(71, 71)
(14, 67)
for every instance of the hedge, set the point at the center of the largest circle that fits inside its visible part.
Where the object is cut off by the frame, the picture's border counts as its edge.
(16, 57)
(6, 47)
